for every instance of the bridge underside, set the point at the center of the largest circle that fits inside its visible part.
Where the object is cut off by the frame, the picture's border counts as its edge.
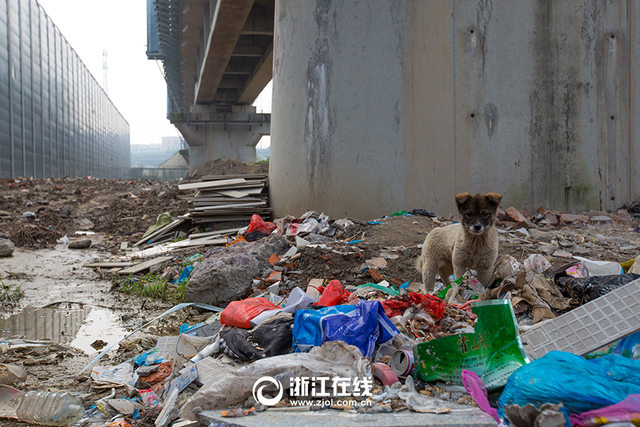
(217, 58)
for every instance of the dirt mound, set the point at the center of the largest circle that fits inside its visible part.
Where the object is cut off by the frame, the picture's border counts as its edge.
(229, 167)
(36, 212)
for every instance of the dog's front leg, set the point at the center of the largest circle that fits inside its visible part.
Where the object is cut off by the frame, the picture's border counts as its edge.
(458, 270)
(484, 277)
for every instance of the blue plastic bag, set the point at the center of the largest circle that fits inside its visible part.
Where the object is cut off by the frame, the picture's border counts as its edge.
(184, 275)
(363, 325)
(579, 384)
(629, 346)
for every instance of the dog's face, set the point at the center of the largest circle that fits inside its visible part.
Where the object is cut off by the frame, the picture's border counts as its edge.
(478, 212)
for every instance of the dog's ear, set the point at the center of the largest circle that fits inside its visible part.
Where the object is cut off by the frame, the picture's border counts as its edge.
(493, 198)
(462, 198)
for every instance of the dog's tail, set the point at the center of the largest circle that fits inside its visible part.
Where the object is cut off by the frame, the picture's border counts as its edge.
(418, 263)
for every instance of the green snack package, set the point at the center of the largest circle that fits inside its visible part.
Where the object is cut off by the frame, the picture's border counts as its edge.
(493, 352)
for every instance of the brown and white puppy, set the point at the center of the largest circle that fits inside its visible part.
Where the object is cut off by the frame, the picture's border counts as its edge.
(470, 244)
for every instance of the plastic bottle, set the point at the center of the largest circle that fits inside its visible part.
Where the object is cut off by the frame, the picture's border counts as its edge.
(50, 408)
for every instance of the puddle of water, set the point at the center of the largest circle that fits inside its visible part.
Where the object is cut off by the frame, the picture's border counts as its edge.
(74, 324)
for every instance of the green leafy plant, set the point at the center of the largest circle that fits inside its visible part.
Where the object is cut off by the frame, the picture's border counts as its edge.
(262, 162)
(151, 286)
(148, 286)
(10, 296)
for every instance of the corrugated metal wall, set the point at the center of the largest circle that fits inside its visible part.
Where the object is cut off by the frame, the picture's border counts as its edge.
(55, 119)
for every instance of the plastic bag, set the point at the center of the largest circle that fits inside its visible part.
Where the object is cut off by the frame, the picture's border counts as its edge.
(272, 338)
(626, 411)
(332, 294)
(592, 287)
(184, 275)
(333, 359)
(475, 387)
(629, 346)
(363, 326)
(258, 228)
(240, 313)
(580, 385)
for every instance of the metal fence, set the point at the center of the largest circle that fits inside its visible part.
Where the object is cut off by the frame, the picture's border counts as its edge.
(162, 174)
(55, 119)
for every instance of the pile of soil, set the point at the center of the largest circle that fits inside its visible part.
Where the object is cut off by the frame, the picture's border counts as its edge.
(37, 212)
(229, 167)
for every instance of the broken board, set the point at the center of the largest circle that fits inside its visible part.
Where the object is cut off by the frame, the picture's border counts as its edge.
(137, 268)
(109, 264)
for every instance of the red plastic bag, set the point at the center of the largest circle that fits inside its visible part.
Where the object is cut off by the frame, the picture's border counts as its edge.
(258, 224)
(240, 313)
(397, 306)
(332, 294)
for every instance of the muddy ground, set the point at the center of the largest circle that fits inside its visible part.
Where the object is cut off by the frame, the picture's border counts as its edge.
(34, 214)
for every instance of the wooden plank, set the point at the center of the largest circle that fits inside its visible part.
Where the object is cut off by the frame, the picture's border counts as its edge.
(109, 264)
(212, 184)
(234, 193)
(221, 218)
(231, 187)
(226, 201)
(247, 176)
(230, 206)
(206, 242)
(215, 233)
(173, 224)
(144, 265)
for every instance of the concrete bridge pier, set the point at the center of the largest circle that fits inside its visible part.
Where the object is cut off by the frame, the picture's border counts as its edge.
(221, 135)
(381, 106)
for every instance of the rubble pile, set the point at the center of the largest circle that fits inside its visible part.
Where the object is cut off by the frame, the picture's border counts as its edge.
(325, 315)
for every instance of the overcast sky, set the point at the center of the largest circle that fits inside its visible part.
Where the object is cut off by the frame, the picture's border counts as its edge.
(135, 84)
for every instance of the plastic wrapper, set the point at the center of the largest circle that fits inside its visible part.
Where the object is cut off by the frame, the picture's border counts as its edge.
(297, 299)
(580, 385)
(537, 263)
(397, 306)
(494, 351)
(363, 325)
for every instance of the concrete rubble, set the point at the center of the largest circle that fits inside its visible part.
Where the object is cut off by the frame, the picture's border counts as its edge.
(314, 319)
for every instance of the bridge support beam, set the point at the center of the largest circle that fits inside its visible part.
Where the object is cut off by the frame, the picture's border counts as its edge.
(221, 135)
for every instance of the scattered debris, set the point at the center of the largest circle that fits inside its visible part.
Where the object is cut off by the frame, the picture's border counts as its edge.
(322, 314)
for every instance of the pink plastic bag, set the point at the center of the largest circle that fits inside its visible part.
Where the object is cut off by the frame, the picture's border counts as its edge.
(475, 387)
(627, 410)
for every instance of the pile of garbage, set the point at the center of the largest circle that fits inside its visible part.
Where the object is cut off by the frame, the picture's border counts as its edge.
(305, 314)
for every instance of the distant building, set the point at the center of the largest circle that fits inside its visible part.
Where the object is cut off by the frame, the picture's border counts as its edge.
(55, 119)
(172, 143)
(145, 148)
